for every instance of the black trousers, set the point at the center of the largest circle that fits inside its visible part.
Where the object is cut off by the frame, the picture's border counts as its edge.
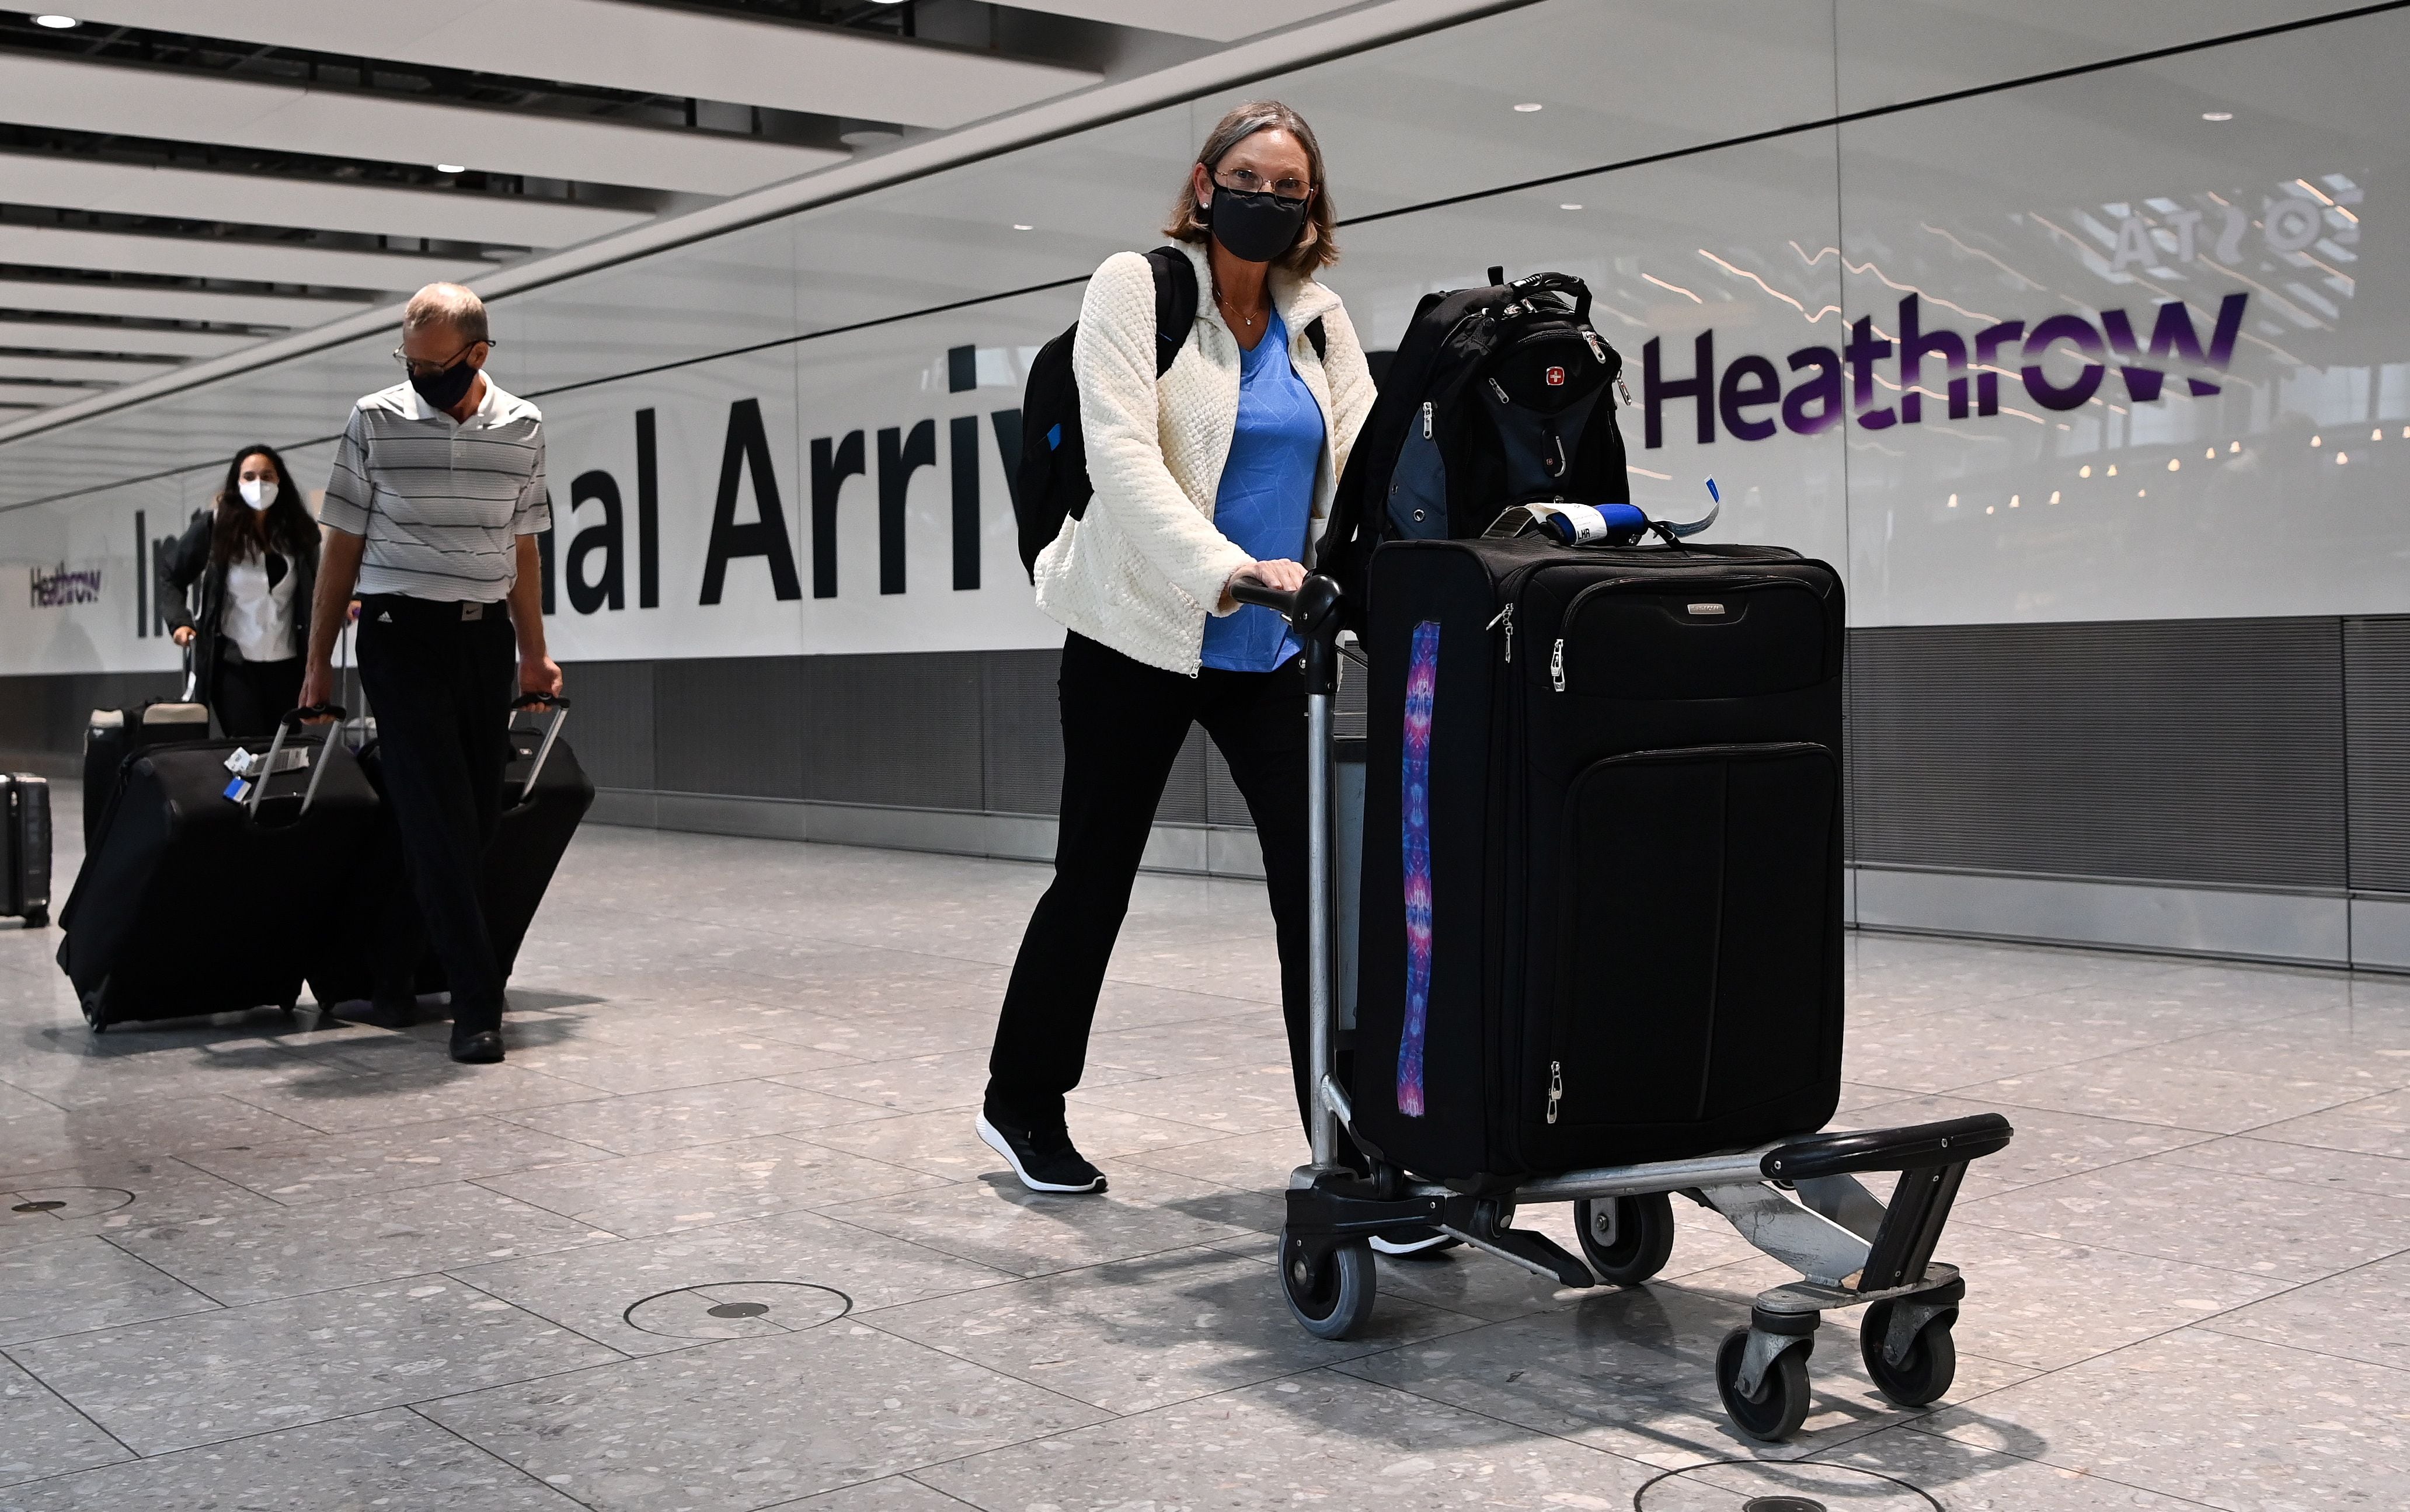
(442, 689)
(1123, 724)
(248, 697)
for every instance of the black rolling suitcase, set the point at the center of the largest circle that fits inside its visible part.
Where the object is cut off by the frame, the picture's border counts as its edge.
(1609, 928)
(545, 793)
(26, 847)
(207, 883)
(113, 736)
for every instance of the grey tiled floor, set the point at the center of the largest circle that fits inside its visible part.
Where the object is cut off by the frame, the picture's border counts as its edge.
(303, 1265)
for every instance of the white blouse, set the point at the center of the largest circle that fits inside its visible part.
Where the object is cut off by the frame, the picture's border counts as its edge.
(259, 617)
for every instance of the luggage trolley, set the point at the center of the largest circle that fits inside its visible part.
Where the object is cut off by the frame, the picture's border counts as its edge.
(1798, 1199)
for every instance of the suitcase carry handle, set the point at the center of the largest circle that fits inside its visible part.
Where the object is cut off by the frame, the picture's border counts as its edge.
(333, 715)
(559, 708)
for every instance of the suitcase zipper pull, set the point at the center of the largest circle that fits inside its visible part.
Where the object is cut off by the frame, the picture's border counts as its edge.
(1556, 665)
(1427, 419)
(1504, 617)
(1625, 390)
(1555, 1087)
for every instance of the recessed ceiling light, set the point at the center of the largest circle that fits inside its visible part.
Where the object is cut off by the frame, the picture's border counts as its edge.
(1527, 107)
(1568, 207)
(1018, 227)
(450, 167)
(2218, 115)
(56, 24)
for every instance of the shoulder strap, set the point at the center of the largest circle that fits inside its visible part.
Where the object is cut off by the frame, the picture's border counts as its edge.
(1320, 338)
(1175, 303)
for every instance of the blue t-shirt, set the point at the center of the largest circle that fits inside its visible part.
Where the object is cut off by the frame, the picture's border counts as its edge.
(1265, 501)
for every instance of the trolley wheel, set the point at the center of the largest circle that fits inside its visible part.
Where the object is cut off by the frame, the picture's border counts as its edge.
(1931, 1364)
(1781, 1404)
(1334, 1300)
(1625, 1239)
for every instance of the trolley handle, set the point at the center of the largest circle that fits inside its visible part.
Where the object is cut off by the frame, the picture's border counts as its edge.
(1312, 610)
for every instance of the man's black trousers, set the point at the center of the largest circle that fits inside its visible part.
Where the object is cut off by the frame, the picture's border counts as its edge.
(440, 686)
(1123, 724)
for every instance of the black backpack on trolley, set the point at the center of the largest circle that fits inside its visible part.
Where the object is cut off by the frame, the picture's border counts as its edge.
(1050, 482)
(1498, 395)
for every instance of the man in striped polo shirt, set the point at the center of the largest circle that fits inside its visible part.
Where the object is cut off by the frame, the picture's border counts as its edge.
(431, 516)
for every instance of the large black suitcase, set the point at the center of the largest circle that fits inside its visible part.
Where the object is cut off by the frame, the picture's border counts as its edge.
(545, 793)
(1608, 926)
(113, 736)
(200, 896)
(26, 847)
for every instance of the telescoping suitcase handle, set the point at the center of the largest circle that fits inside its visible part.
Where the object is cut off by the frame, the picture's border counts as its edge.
(333, 715)
(559, 708)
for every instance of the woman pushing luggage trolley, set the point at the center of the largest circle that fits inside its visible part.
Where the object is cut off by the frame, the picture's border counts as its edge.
(1599, 962)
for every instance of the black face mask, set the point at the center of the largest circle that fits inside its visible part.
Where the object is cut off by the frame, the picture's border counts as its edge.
(1256, 227)
(442, 390)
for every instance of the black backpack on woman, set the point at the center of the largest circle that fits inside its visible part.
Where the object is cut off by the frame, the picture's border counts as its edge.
(1497, 397)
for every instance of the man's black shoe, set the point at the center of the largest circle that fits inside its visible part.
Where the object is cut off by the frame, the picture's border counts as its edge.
(1043, 1158)
(481, 1049)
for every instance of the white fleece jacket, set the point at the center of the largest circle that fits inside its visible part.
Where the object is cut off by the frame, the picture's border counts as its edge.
(1144, 566)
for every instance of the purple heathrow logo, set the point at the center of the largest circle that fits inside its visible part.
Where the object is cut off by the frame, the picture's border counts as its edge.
(1835, 384)
(59, 587)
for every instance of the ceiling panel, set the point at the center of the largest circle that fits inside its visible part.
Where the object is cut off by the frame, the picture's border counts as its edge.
(56, 336)
(259, 200)
(1222, 21)
(653, 50)
(135, 302)
(80, 370)
(126, 99)
(258, 262)
(42, 395)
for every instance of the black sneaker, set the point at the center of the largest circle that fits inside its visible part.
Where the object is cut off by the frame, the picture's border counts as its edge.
(1043, 1158)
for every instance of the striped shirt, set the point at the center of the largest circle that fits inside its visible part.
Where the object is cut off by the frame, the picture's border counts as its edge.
(440, 502)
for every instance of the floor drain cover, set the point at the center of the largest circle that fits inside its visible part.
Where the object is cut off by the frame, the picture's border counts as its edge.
(738, 1310)
(1786, 1486)
(68, 1201)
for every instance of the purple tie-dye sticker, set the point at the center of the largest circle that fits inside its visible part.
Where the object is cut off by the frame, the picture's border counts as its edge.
(1422, 693)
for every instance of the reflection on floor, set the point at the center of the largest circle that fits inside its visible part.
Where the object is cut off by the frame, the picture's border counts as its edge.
(718, 1236)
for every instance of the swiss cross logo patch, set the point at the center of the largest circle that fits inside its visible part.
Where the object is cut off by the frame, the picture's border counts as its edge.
(1556, 377)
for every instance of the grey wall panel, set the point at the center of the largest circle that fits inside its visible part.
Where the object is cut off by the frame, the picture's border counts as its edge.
(1183, 794)
(2376, 684)
(1223, 803)
(898, 728)
(611, 720)
(2204, 752)
(731, 725)
(42, 717)
(1020, 731)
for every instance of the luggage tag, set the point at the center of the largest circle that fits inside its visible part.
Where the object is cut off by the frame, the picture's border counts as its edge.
(238, 789)
(238, 761)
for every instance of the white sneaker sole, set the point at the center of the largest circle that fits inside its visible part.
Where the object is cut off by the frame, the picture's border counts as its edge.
(1389, 1247)
(994, 1139)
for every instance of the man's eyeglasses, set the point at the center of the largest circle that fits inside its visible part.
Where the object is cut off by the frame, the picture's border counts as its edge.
(415, 368)
(1248, 181)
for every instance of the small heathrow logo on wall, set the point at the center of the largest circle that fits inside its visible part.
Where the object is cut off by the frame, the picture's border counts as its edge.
(55, 588)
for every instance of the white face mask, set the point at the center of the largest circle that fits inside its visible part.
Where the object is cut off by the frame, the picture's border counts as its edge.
(259, 492)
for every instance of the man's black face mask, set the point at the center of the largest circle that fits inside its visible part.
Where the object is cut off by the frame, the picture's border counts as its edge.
(442, 390)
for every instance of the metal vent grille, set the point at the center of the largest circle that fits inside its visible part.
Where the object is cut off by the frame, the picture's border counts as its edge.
(2200, 751)
(610, 721)
(2376, 683)
(901, 728)
(731, 724)
(1022, 740)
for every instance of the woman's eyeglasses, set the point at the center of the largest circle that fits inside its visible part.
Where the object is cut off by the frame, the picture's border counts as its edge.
(414, 367)
(1248, 181)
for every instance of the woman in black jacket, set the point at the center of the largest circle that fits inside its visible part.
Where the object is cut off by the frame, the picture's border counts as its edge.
(254, 554)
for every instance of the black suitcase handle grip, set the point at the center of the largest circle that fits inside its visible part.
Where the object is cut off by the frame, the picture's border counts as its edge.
(310, 713)
(528, 701)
